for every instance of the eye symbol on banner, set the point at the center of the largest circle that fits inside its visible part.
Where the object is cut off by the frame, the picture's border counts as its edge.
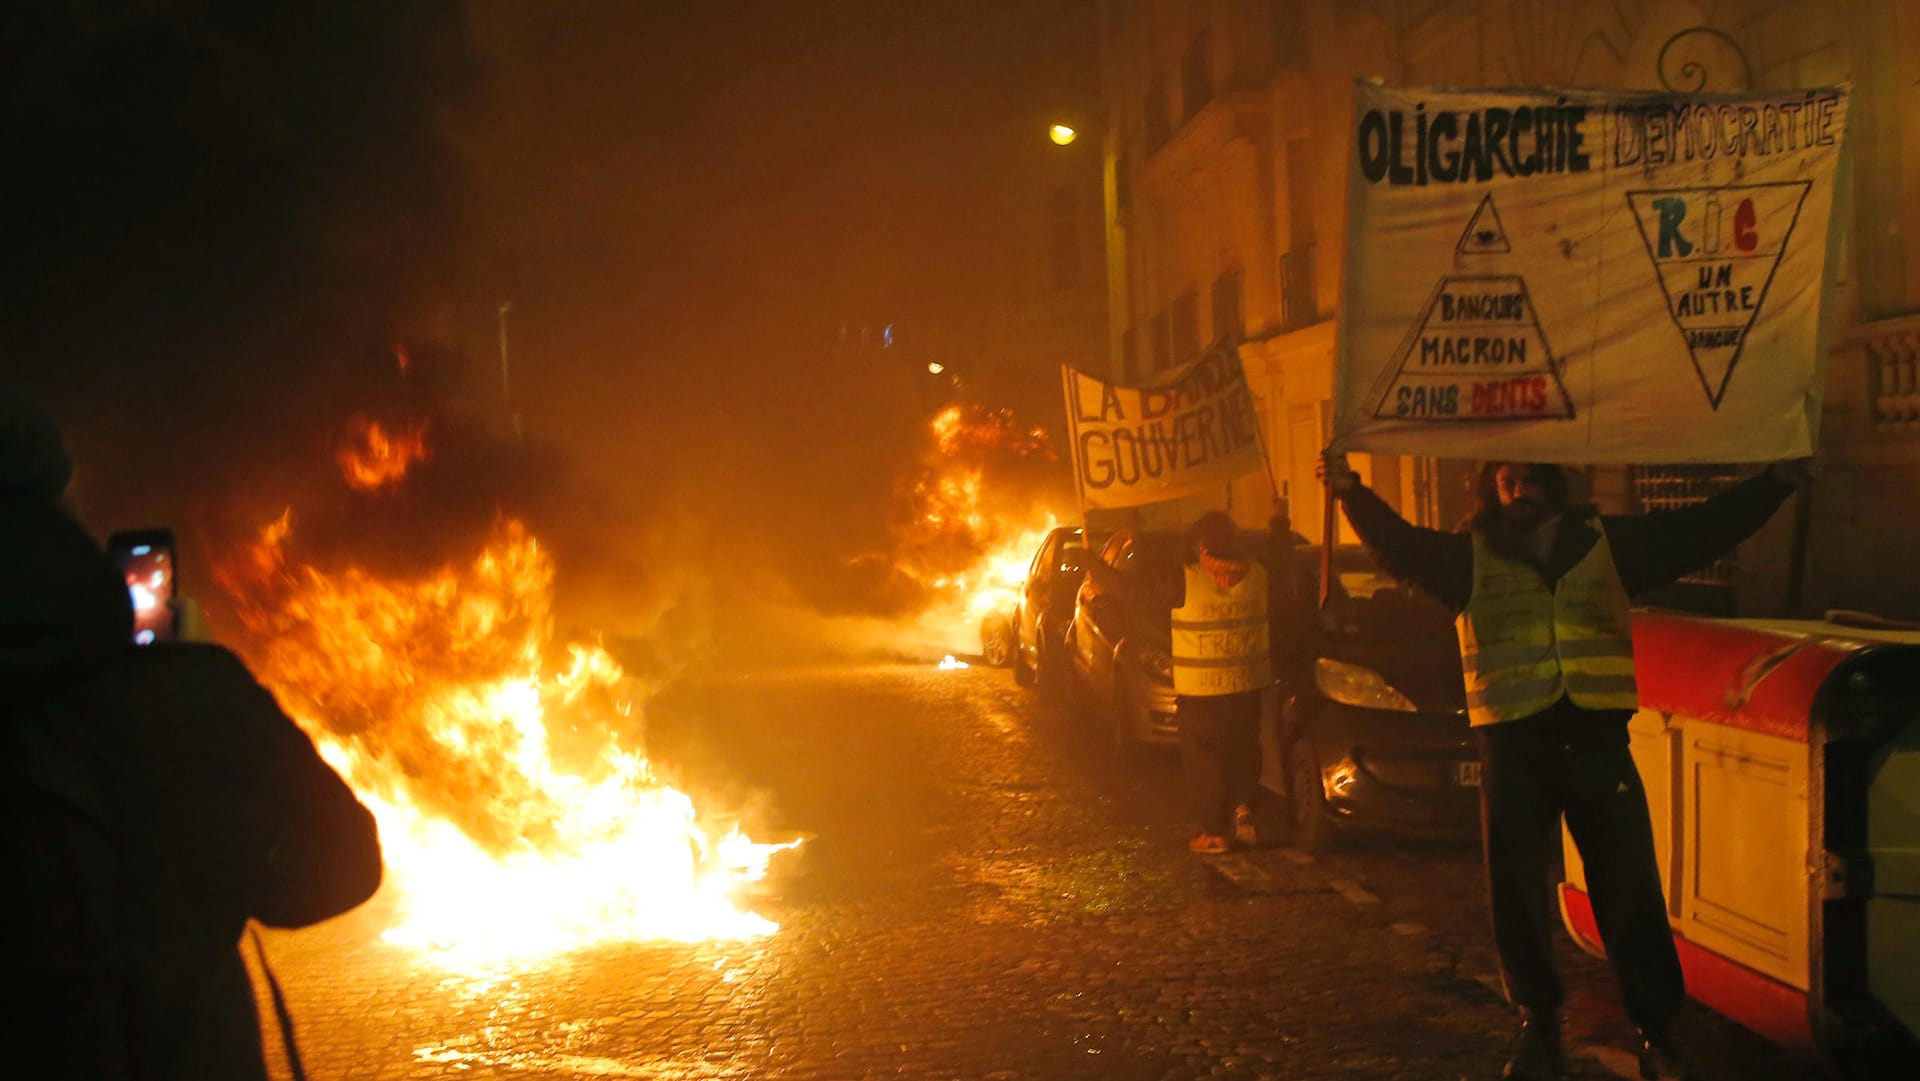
(1715, 251)
(1485, 234)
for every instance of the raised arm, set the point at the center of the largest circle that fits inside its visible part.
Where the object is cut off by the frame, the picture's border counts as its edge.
(1440, 563)
(1655, 548)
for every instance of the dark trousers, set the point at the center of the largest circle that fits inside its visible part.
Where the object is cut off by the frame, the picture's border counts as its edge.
(1220, 753)
(1532, 774)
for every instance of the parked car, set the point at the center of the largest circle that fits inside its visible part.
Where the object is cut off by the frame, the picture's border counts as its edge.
(1122, 667)
(1045, 607)
(1373, 733)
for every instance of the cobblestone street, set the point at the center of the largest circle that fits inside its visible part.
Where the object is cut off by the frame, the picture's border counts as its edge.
(984, 896)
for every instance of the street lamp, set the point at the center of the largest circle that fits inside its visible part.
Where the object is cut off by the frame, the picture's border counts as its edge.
(1062, 134)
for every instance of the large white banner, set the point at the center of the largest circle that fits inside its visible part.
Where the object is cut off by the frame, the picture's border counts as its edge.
(1187, 429)
(1586, 276)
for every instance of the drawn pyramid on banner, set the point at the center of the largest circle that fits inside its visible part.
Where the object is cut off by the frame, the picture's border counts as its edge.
(1716, 250)
(1476, 354)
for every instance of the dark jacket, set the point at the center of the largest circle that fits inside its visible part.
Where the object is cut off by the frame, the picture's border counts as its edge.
(1649, 550)
(219, 806)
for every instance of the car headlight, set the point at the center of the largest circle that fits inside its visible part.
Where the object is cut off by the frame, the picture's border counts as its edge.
(1354, 685)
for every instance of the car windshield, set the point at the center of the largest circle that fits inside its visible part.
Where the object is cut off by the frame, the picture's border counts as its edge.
(1367, 603)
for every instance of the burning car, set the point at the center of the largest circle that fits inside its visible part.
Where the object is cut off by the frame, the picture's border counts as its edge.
(997, 635)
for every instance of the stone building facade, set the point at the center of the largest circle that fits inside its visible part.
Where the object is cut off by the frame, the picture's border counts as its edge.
(1225, 153)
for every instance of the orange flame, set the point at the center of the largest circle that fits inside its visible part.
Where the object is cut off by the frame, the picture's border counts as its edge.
(371, 459)
(514, 822)
(974, 559)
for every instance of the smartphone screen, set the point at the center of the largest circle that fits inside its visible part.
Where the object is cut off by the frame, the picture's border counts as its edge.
(146, 558)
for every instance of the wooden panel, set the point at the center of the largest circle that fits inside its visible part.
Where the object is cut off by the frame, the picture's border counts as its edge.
(1745, 857)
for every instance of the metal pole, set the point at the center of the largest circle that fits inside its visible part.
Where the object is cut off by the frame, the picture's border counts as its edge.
(1797, 548)
(1327, 536)
(1073, 451)
(506, 384)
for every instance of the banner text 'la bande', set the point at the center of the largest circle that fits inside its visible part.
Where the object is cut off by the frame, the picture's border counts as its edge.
(1585, 275)
(1190, 428)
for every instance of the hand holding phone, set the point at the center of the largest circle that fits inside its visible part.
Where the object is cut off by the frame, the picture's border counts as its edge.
(146, 557)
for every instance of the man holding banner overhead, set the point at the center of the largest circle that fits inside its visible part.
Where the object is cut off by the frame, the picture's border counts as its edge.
(1192, 430)
(1546, 647)
(1591, 276)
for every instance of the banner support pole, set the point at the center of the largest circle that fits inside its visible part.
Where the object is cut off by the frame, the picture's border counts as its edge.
(1073, 448)
(1328, 526)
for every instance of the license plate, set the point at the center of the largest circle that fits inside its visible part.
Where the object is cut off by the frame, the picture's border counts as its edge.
(1467, 773)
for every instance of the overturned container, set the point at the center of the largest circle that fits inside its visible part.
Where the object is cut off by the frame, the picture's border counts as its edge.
(1782, 766)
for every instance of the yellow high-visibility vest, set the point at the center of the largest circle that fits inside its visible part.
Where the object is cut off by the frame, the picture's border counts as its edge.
(1220, 635)
(1522, 645)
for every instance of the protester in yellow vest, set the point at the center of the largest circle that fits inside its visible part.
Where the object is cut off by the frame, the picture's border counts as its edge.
(1546, 648)
(1221, 667)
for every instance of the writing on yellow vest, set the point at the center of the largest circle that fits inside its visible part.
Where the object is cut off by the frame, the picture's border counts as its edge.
(1220, 635)
(1523, 645)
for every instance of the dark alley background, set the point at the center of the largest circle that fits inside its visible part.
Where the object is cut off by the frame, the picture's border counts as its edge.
(237, 225)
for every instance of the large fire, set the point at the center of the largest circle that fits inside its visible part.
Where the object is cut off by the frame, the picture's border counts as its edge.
(513, 820)
(967, 543)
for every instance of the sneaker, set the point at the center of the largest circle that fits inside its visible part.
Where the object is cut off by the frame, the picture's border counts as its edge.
(1539, 1056)
(1208, 844)
(1660, 1060)
(1244, 831)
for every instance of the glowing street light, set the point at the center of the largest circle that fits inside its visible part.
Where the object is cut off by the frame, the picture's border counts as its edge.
(1062, 134)
(935, 367)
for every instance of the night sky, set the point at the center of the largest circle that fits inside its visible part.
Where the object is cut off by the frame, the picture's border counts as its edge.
(230, 218)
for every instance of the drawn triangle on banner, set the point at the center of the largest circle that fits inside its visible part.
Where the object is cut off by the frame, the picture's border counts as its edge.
(1715, 251)
(1476, 354)
(1485, 235)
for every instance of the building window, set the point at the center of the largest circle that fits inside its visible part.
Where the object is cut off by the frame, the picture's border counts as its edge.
(1185, 327)
(1155, 110)
(1668, 487)
(1708, 591)
(1227, 289)
(1298, 308)
(1289, 33)
(1300, 209)
(1298, 305)
(1196, 76)
(1063, 241)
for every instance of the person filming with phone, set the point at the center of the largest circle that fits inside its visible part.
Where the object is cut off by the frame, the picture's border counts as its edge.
(157, 799)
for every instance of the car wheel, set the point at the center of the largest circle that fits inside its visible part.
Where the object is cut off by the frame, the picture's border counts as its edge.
(996, 643)
(1023, 673)
(1313, 830)
(1048, 669)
